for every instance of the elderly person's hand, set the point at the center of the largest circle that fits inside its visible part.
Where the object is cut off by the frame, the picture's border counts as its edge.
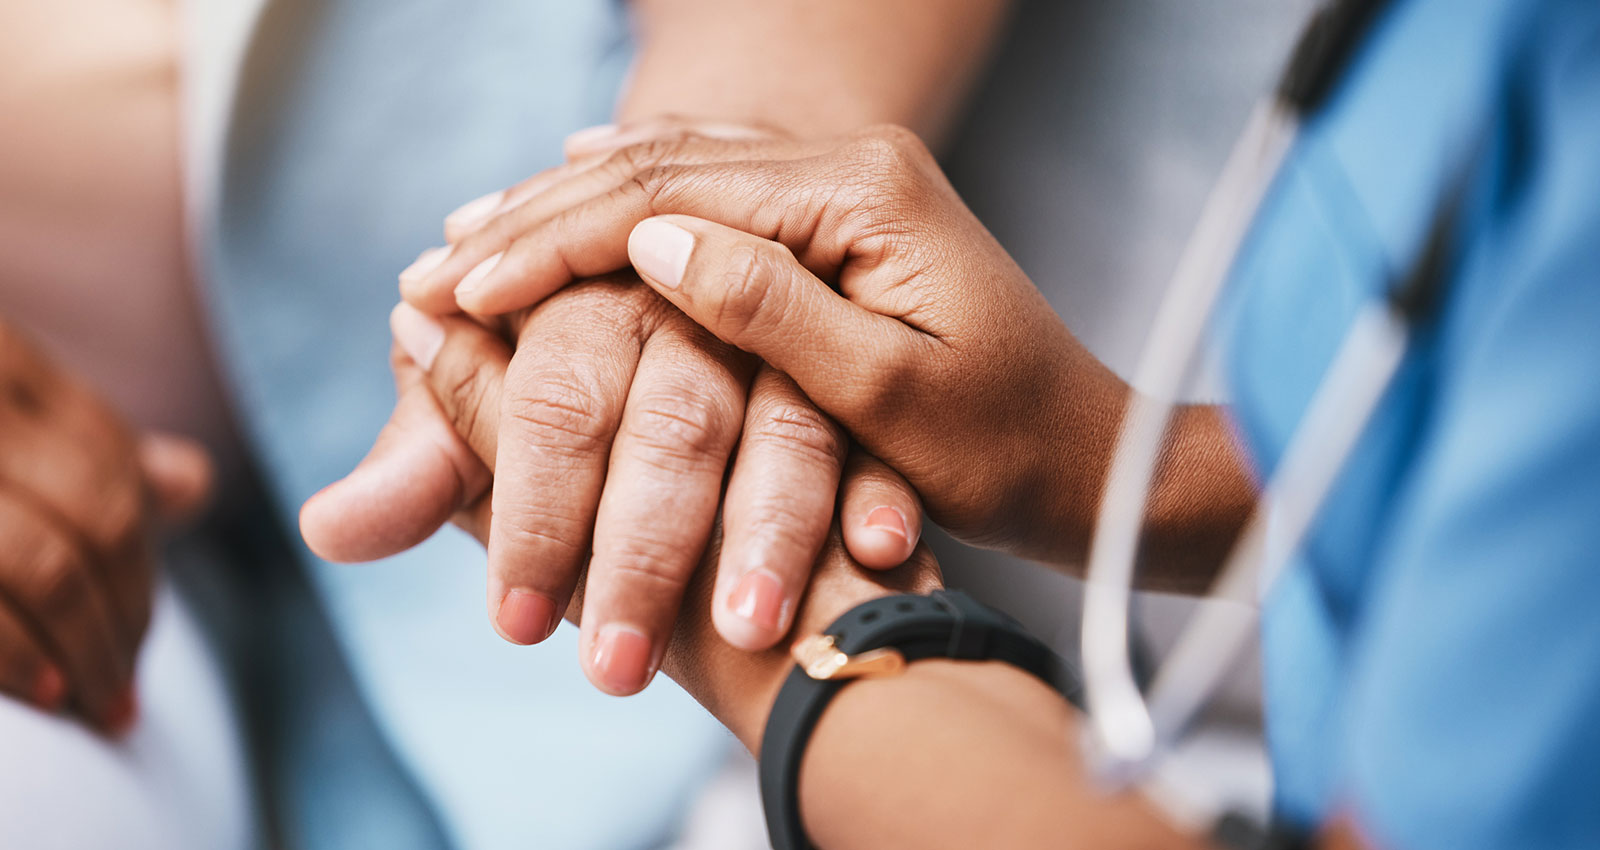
(854, 267)
(736, 686)
(79, 495)
(433, 462)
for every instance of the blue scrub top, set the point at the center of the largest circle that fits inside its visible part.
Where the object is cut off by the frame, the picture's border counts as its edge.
(1433, 657)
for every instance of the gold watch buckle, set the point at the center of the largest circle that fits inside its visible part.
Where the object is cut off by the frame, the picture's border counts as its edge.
(824, 661)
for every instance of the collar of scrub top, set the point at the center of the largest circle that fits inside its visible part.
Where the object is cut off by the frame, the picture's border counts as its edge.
(1128, 735)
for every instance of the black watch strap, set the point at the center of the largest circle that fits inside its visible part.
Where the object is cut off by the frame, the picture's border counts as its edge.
(880, 637)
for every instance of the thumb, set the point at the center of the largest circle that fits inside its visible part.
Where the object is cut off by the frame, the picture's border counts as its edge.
(753, 293)
(178, 473)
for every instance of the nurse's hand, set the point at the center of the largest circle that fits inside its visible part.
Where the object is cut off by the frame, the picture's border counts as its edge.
(79, 496)
(866, 279)
(616, 427)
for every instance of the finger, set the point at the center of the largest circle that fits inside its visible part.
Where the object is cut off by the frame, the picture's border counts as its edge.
(440, 278)
(753, 293)
(26, 671)
(72, 459)
(418, 475)
(178, 472)
(584, 149)
(464, 366)
(50, 581)
(778, 509)
(683, 415)
(606, 138)
(879, 513)
(564, 394)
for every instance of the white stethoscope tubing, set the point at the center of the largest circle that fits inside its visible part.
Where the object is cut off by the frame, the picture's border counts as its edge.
(1128, 734)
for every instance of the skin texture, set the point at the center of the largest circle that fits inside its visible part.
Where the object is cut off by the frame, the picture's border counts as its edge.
(643, 412)
(79, 497)
(890, 755)
(932, 329)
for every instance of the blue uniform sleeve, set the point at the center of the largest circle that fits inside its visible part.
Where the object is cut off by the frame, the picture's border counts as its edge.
(1473, 717)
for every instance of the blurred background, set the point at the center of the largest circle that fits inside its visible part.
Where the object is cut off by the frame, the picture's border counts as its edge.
(202, 209)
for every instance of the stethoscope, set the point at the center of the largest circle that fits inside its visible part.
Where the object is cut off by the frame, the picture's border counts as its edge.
(1130, 734)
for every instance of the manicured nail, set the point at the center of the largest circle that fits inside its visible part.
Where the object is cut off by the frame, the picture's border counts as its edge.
(759, 600)
(418, 333)
(660, 251)
(122, 712)
(526, 617)
(581, 141)
(622, 658)
(478, 273)
(888, 519)
(423, 266)
(475, 212)
(49, 689)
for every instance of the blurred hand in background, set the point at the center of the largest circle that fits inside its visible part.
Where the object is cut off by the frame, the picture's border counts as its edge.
(80, 498)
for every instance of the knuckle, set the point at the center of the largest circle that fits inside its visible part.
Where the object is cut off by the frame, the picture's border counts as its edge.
(645, 155)
(60, 582)
(531, 530)
(560, 414)
(680, 432)
(467, 398)
(652, 183)
(890, 149)
(799, 430)
(647, 568)
(745, 304)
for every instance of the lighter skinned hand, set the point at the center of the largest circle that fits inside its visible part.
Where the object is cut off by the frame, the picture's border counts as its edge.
(615, 420)
(468, 366)
(79, 495)
(853, 267)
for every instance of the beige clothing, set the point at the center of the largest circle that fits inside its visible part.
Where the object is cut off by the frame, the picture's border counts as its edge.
(92, 247)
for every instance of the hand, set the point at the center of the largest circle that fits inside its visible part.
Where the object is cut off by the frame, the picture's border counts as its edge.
(467, 372)
(78, 497)
(619, 417)
(941, 357)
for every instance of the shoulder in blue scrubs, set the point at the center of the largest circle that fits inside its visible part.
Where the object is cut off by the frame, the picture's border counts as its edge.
(1433, 659)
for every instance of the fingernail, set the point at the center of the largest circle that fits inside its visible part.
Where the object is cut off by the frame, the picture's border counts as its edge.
(418, 333)
(526, 617)
(49, 689)
(759, 599)
(660, 251)
(888, 519)
(423, 266)
(478, 273)
(622, 658)
(582, 140)
(122, 713)
(475, 212)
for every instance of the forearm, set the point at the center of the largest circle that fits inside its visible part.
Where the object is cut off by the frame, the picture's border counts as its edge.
(960, 754)
(810, 66)
(1199, 500)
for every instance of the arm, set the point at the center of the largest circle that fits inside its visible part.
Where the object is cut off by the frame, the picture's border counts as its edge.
(812, 67)
(947, 755)
(935, 351)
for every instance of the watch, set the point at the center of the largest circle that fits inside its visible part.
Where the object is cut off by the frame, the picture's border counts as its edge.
(879, 638)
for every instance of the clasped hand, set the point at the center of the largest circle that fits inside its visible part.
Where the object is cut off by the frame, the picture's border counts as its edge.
(791, 286)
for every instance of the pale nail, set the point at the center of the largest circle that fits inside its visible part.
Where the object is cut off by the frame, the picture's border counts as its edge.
(588, 137)
(475, 212)
(526, 617)
(758, 599)
(888, 519)
(423, 266)
(622, 658)
(475, 277)
(660, 251)
(420, 335)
